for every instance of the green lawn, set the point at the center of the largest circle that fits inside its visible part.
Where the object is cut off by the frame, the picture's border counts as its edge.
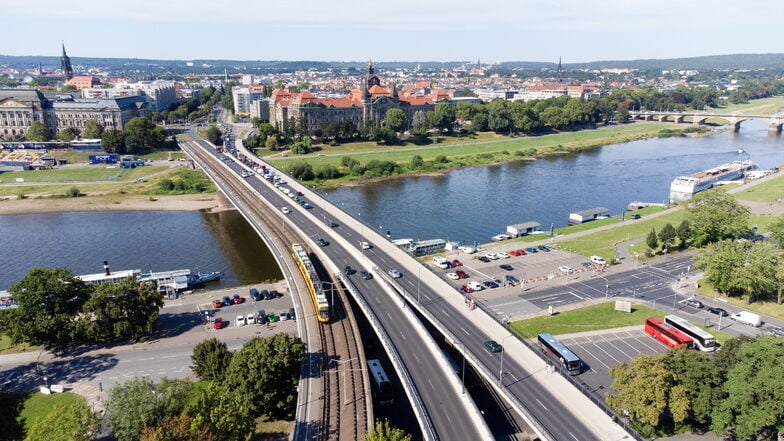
(597, 317)
(769, 191)
(39, 405)
(6, 347)
(82, 174)
(590, 318)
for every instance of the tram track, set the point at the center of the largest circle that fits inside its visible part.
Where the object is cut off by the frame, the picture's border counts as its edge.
(344, 412)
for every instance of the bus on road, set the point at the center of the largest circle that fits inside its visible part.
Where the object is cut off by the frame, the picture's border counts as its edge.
(703, 340)
(667, 334)
(560, 354)
(386, 395)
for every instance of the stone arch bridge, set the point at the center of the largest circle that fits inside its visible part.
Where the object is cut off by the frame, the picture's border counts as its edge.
(775, 121)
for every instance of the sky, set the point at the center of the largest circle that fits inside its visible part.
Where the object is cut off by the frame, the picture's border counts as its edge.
(387, 30)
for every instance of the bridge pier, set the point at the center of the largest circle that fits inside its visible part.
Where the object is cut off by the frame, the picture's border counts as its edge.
(774, 128)
(679, 119)
(223, 201)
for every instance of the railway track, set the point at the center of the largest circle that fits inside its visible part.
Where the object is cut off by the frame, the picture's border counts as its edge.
(345, 405)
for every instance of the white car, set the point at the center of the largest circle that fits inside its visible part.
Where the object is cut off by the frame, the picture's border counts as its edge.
(491, 256)
(240, 320)
(599, 260)
(565, 269)
(503, 255)
(284, 315)
(285, 210)
(476, 286)
(453, 276)
(251, 319)
(395, 273)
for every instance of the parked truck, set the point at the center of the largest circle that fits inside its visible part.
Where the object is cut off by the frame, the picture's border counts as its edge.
(747, 318)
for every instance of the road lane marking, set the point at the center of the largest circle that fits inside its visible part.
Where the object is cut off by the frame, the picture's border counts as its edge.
(581, 298)
(540, 403)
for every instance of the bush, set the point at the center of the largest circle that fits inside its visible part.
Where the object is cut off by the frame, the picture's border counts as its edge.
(440, 159)
(73, 192)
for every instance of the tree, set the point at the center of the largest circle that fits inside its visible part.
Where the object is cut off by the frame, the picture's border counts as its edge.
(37, 132)
(302, 171)
(141, 134)
(72, 422)
(703, 380)
(416, 162)
(754, 404)
(652, 240)
(648, 391)
(210, 359)
(227, 412)
(777, 232)
(271, 142)
(667, 235)
(266, 130)
(179, 428)
(214, 135)
(67, 134)
(396, 120)
(266, 371)
(419, 124)
(741, 269)
(327, 171)
(132, 406)
(383, 431)
(113, 141)
(383, 135)
(120, 311)
(684, 233)
(49, 300)
(93, 129)
(715, 215)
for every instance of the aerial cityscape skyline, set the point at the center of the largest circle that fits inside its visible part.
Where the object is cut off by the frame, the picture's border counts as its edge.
(350, 30)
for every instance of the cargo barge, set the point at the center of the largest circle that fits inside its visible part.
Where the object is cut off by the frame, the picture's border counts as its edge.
(684, 187)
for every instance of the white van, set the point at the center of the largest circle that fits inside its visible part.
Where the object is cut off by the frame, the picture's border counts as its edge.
(599, 260)
(439, 259)
(476, 286)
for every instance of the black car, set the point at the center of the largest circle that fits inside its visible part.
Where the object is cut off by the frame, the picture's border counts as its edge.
(322, 242)
(493, 346)
(483, 259)
(365, 275)
(510, 279)
(255, 294)
(226, 301)
(718, 311)
(265, 295)
(292, 316)
(332, 224)
(348, 270)
(506, 266)
(544, 248)
(274, 294)
(636, 216)
(490, 284)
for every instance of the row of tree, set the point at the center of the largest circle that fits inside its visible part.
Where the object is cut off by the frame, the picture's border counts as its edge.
(39, 133)
(140, 135)
(58, 310)
(736, 392)
(194, 108)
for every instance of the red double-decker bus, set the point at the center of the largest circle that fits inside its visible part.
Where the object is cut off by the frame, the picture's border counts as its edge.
(667, 334)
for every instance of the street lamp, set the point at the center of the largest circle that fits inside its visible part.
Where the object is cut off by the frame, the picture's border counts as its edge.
(462, 372)
(343, 374)
(503, 349)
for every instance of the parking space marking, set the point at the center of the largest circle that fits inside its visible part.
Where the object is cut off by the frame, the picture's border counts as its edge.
(612, 344)
(581, 298)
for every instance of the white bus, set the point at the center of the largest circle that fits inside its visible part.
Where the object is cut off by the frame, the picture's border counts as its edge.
(703, 340)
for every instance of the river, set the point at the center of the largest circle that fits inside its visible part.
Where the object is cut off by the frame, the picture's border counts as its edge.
(469, 205)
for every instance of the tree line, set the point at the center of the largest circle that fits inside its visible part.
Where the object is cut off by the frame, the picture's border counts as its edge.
(59, 311)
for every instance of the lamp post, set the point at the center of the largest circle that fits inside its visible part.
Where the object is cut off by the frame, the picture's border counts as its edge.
(343, 375)
(503, 349)
(462, 372)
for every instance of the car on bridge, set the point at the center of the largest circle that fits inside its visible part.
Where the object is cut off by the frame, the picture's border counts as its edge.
(285, 210)
(493, 346)
(395, 274)
(322, 242)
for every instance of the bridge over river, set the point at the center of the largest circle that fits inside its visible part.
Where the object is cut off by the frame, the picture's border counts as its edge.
(775, 121)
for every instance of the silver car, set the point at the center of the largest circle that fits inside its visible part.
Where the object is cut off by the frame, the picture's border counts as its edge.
(395, 273)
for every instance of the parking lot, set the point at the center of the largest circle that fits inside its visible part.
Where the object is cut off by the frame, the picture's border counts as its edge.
(601, 350)
(507, 270)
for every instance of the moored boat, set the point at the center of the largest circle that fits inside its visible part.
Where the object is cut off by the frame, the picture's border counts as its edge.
(684, 187)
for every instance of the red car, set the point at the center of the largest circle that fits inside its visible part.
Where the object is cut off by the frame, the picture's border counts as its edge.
(457, 263)
(517, 253)
(462, 274)
(218, 323)
(237, 299)
(466, 289)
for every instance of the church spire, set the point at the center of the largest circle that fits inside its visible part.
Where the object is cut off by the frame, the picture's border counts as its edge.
(65, 65)
(559, 72)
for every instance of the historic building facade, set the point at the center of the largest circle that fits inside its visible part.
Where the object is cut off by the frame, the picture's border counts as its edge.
(19, 108)
(367, 104)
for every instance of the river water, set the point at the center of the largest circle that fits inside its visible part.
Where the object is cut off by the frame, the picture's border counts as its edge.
(469, 205)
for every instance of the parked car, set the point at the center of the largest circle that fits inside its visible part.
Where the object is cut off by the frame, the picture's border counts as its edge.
(544, 248)
(453, 276)
(491, 256)
(599, 260)
(530, 250)
(466, 289)
(274, 294)
(237, 299)
(462, 274)
(457, 263)
(395, 273)
(284, 315)
(292, 315)
(483, 259)
(227, 301)
(264, 294)
(490, 284)
(493, 346)
(587, 264)
(777, 331)
(718, 311)
(272, 317)
(565, 269)
(240, 320)
(506, 267)
(517, 253)
(219, 323)
(255, 294)
(250, 319)
(365, 275)
(511, 280)
(693, 303)
(636, 216)
(261, 317)
(217, 303)
(502, 255)
(476, 286)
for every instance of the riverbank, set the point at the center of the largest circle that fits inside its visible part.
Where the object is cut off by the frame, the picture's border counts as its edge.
(188, 202)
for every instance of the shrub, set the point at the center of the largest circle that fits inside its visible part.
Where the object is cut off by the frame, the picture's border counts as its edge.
(73, 192)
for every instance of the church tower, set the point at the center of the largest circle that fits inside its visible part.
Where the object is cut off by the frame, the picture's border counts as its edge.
(65, 66)
(559, 72)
